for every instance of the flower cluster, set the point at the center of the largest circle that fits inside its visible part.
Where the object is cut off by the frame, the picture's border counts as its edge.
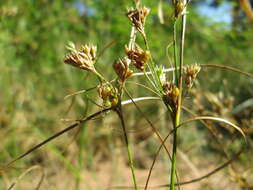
(108, 95)
(171, 94)
(121, 67)
(83, 58)
(138, 17)
(138, 57)
(191, 74)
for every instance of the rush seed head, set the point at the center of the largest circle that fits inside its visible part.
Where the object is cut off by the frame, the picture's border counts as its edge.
(138, 17)
(138, 56)
(83, 58)
(109, 95)
(191, 74)
(121, 67)
(171, 94)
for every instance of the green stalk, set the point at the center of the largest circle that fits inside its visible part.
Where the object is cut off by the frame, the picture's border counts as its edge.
(118, 109)
(174, 150)
(176, 119)
(150, 81)
(100, 77)
(175, 49)
(130, 158)
(151, 65)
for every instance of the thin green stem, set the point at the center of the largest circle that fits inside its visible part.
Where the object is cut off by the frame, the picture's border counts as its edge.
(175, 49)
(155, 131)
(118, 109)
(176, 119)
(144, 86)
(174, 151)
(150, 81)
(132, 38)
(100, 77)
(183, 28)
(130, 158)
(151, 67)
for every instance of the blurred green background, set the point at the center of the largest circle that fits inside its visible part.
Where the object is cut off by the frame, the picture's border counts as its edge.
(34, 81)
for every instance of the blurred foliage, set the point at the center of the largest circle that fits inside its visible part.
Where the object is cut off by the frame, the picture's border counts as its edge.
(34, 33)
(34, 80)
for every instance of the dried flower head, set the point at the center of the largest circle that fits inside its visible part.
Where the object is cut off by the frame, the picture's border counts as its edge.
(108, 95)
(83, 58)
(138, 56)
(171, 94)
(191, 74)
(121, 67)
(138, 17)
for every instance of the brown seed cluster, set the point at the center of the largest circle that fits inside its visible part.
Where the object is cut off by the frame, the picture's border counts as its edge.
(83, 58)
(138, 57)
(191, 74)
(171, 94)
(108, 95)
(121, 67)
(138, 17)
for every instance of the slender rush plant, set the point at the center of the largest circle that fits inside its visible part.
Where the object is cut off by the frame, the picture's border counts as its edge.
(170, 92)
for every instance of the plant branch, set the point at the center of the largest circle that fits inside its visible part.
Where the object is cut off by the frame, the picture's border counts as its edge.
(225, 67)
(119, 112)
(74, 125)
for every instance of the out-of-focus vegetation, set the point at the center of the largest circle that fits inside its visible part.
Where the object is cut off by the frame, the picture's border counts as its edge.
(34, 79)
